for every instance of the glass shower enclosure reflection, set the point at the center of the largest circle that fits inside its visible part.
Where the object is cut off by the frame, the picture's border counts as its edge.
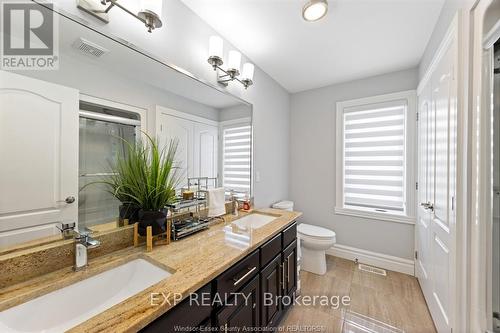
(102, 141)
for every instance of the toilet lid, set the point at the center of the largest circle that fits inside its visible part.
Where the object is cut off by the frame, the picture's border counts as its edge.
(315, 231)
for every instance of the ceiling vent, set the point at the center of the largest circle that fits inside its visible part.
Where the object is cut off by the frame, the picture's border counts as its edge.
(89, 48)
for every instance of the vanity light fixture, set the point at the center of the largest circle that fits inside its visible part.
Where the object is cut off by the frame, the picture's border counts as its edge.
(215, 50)
(314, 10)
(149, 12)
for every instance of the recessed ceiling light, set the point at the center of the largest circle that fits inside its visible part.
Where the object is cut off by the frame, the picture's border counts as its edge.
(314, 10)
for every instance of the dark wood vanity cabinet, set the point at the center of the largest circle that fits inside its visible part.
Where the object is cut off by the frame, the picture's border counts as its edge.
(272, 288)
(243, 311)
(255, 292)
(188, 313)
(290, 273)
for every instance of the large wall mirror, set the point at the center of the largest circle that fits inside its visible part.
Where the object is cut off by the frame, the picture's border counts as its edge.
(63, 132)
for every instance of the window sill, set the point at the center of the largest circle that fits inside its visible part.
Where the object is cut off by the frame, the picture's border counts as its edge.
(375, 216)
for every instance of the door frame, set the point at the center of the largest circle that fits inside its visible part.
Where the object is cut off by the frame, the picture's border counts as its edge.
(481, 62)
(457, 32)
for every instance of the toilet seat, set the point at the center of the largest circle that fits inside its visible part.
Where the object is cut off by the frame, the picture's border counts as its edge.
(314, 232)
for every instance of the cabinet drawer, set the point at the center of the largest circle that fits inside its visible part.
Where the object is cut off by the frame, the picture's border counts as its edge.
(184, 315)
(238, 275)
(289, 234)
(270, 250)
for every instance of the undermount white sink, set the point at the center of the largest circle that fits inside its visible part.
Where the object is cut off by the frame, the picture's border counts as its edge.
(253, 221)
(74, 304)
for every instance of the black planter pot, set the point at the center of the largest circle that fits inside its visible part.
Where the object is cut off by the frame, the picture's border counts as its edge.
(129, 212)
(157, 219)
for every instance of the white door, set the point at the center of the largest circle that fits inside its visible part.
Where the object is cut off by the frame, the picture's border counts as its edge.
(39, 152)
(425, 184)
(436, 218)
(206, 144)
(182, 130)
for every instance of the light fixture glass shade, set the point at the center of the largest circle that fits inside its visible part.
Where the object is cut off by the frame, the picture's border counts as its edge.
(314, 10)
(247, 73)
(153, 6)
(215, 46)
(234, 60)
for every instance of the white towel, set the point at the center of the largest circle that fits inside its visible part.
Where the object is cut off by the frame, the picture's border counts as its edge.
(216, 202)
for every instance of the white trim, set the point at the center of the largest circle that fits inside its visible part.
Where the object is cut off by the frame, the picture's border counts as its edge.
(235, 121)
(410, 156)
(375, 216)
(492, 36)
(448, 38)
(184, 115)
(376, 259)
(116, 105)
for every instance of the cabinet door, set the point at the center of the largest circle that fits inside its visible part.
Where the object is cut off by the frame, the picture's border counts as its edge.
(290, 269)
(206, 142)
(191, 313)
(39, 152)
(243, 311)
(172, 127)
(271, 282)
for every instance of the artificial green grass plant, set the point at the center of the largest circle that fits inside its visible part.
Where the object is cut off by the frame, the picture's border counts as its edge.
(146, 176)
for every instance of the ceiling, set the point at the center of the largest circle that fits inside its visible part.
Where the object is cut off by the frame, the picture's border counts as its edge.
(357, 39)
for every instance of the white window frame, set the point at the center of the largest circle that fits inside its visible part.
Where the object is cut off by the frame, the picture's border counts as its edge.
(410, 168)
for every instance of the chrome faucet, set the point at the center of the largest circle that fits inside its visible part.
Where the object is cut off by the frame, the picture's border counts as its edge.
(83, 242)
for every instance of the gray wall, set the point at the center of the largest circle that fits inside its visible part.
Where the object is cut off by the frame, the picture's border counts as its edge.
(96, 80)
(450, 7)
(235, 112)
(312, 164)
(183, 41)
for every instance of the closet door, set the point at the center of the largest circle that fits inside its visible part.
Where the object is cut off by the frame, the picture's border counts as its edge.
(39, 152)
(206, 144)
(172, 127)
(425, 184)
(436, 217)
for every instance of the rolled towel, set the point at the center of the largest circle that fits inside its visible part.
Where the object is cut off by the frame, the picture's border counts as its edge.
(216, 202)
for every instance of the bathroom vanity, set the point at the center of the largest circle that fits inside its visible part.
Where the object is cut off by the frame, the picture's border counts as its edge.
(255, 292)
(231, 259)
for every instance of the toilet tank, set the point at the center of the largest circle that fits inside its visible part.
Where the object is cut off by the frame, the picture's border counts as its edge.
(284, 205)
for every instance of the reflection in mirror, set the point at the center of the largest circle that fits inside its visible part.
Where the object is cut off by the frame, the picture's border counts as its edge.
(80, 119)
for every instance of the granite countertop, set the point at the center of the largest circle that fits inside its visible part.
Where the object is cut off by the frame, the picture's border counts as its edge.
(193, 262)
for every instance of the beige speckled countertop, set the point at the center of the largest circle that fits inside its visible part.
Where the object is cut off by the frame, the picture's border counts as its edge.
(194, 261)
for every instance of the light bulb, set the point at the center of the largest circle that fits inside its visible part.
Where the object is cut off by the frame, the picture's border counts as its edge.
(215, 47)
(234, 61)
(154, 6)
(314, 10)
(247, 73)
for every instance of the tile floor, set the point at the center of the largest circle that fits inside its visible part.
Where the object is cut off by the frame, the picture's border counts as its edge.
(393, 301)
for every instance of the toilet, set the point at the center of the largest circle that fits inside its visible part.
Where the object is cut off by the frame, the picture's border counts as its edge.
(314, 241)
(284, 205)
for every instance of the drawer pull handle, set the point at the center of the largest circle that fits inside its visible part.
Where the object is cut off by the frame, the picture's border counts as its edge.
(238, 281)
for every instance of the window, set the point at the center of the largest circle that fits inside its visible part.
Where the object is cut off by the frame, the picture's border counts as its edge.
(237, 149)
(375, 157)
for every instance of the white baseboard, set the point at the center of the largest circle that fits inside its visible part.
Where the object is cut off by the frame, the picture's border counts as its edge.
(385, 261)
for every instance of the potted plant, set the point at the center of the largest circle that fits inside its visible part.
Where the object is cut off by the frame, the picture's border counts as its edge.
(144, 180)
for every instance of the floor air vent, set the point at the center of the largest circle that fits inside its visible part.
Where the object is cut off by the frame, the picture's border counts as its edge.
(89, 48)
(371, 269)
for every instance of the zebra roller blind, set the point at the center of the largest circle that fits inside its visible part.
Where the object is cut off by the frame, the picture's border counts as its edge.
(374, 157)
(237, 148)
